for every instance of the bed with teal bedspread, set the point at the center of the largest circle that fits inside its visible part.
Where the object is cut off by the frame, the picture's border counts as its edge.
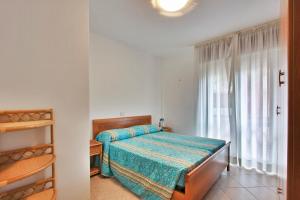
(152, 163)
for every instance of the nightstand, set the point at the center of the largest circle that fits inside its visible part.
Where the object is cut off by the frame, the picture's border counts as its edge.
(95, 150)
(167, 129)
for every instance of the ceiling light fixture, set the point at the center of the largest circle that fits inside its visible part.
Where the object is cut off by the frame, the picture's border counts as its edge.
(173, 7)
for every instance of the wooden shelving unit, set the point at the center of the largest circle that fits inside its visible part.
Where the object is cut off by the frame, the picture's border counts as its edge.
(18, 164)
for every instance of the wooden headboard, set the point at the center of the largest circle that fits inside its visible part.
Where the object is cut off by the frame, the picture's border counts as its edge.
(100, 125)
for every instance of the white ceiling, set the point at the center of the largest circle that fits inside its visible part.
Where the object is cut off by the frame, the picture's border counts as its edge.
(137, 24)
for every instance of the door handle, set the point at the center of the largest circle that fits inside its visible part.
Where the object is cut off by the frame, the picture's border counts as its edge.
(278, 110)
(280, 74)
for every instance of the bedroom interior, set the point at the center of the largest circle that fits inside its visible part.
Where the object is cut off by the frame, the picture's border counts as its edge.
(153, 99)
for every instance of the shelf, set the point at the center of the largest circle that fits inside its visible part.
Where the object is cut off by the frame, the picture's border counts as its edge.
(94, 171)
(17, 126)
(44, 195)
(28, 190)
(24, 168)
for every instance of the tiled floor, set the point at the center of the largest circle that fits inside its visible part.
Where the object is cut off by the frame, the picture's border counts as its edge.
(238, 184)
(241, 184)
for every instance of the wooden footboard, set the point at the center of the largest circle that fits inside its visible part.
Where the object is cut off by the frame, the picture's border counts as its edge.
(200, 180)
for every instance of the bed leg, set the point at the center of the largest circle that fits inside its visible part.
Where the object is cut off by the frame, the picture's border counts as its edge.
(228, 158)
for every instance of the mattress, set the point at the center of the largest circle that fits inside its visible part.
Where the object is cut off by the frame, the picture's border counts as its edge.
(173, 145)
(153, 165)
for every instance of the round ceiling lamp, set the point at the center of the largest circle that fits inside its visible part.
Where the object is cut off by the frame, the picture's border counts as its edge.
(173, 7)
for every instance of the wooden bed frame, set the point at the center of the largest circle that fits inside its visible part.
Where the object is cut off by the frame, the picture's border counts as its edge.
(199, 180)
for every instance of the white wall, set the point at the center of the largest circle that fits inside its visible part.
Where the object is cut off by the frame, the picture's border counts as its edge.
(179, 90)
(44, 63)
(123, 81)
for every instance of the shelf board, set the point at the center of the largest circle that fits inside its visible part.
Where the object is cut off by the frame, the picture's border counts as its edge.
(44, 195)
(24, 168)
(94, 171)
(17, 126)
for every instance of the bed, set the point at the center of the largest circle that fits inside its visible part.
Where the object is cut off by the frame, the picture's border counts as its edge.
(170, 166)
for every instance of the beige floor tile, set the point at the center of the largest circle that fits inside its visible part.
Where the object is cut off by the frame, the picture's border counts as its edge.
(216, 194)
(226, 181)
(270, 181)
(280, 196)
(233, 171)
(263, 193)
(251, 180)
(238, 194)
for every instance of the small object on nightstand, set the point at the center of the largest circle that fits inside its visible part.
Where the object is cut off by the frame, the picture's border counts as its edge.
(95, 150)
(166, 129)
(161, 123)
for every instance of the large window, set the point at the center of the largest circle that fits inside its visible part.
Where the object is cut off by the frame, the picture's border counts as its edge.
(237, 94)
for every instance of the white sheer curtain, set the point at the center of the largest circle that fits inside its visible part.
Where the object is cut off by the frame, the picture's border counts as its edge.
(214, 60)
(237, 94)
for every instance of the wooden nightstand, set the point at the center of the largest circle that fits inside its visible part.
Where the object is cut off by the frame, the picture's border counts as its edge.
(95, 150)
(167, 129)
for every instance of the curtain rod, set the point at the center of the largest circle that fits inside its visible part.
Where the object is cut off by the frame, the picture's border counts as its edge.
(257, 27)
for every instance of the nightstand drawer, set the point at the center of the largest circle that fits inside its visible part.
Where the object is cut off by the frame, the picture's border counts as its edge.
(95, 150)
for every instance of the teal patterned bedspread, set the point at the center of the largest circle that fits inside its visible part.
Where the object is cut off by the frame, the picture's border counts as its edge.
(151, 163)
